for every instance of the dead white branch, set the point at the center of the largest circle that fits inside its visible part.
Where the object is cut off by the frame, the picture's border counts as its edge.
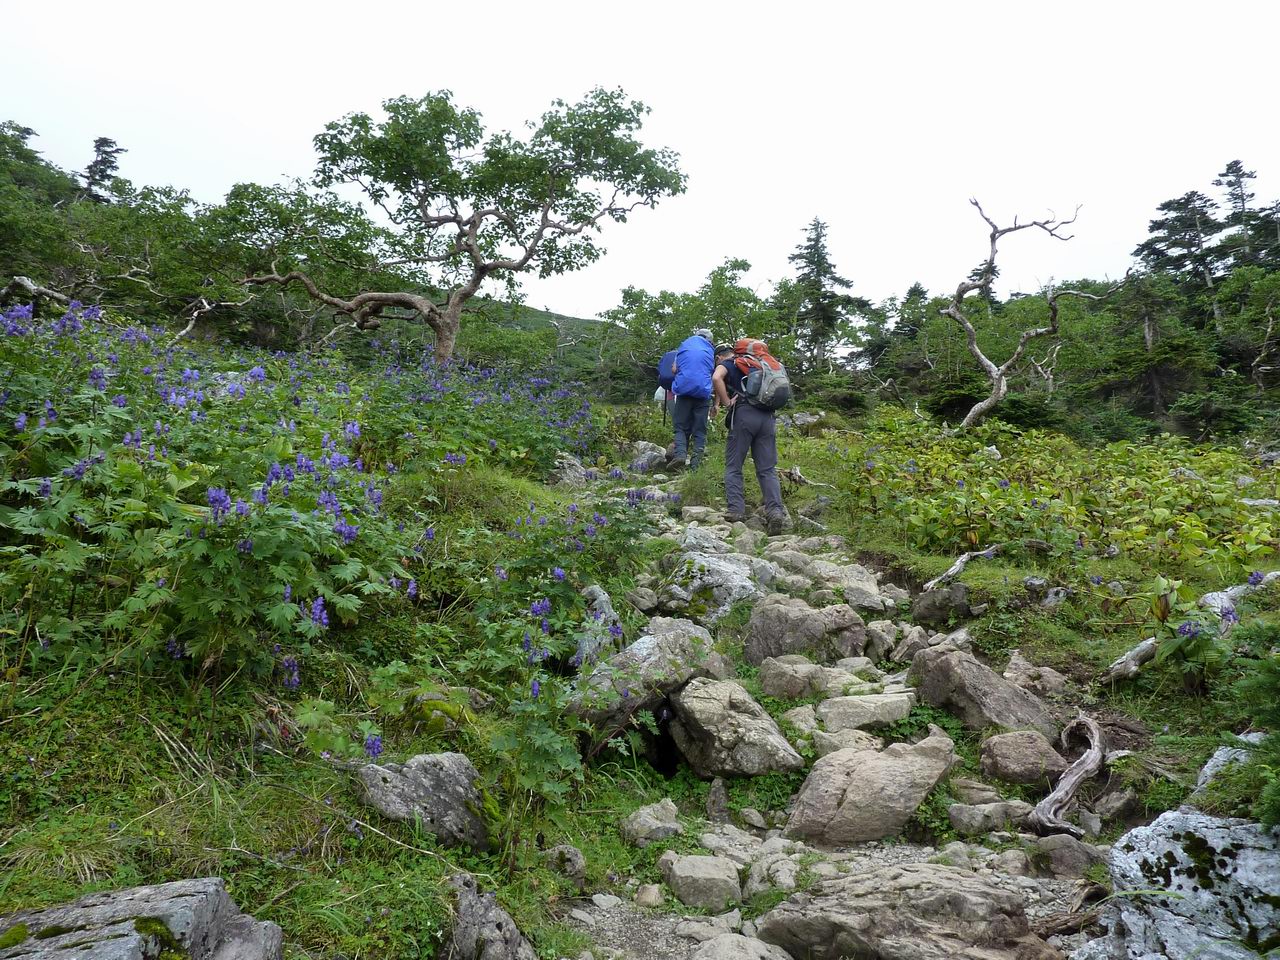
(33, 290)
(1047, 815)
(957, 568)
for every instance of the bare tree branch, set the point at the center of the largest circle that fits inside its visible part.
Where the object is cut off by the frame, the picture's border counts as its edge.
(33, 290)
(1047, 815)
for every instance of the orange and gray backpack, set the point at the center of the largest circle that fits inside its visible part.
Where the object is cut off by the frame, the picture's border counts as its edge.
(764, 379)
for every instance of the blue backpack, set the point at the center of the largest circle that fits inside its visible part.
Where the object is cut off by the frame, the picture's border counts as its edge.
(666, 370)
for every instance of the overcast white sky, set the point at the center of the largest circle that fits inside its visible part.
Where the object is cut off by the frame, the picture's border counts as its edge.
(882, 118)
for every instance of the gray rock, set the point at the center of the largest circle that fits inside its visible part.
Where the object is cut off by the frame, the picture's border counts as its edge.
(734, 946)
(1117, 804)
(1064, 856)
(857, 795)
(977, 694)
(971, 791)
(657, 821)
(882, 637)
(582, 916)
(937, 606)
(1221, 875)
(872, 710)
(194, 917)
(855, 582)
(1224, 757)
(861, 667)
(780, 625)
(1042, 681)
(914, 911)
(723, 732)
(716, 578)
(804, 718)
(710, 883)
(752, 818)
(594, 636)
(1025, 756)
(643, 599)
(914, 639)
(1014, 863)
(973, 819)
(647, 457)
(569, 861)
(954, 854)
(718, 802)
(436, 790)
(606, 901)
(482, 930)
(732, 843)
(825, 743)
(569, 471)
(649, 895)
(668, 655)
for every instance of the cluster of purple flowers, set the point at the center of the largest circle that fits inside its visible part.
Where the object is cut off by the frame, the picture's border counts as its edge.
(319, 615)
(292, 678)
(540, 608)
(77, 470)
(373, 746)
(348, 531)
(219, 503)
(457, 459)
(1256, 578)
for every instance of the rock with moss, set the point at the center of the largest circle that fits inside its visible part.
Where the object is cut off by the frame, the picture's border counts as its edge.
(1217, 883)
(958, 681)
(436, 790)
(782, 625)
(481, 929)
(657, 821)
(193, 919)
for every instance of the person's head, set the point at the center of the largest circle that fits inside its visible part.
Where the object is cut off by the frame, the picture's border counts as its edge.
(705, 334)
(724, 351)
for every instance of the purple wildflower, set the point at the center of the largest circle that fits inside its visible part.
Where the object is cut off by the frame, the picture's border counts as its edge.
(1256, 578)
(558, 573)
(412, 589)
(319, 616)
(292, 678)
(535, 688)
(500, 573)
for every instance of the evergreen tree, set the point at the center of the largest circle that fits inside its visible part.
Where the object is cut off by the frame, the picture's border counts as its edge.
(823, 310)
(1179, 244)
(102, 169)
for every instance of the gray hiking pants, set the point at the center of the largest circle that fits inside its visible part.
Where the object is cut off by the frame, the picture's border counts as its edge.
(752, 431)
(690, 418)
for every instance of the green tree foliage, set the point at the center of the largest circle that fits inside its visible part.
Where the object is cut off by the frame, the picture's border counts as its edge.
(822, 312)
(466, 207)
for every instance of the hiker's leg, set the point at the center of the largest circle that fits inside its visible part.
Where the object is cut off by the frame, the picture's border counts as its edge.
(764, 452)
(735, 454)
(699, 428)
(681, 419)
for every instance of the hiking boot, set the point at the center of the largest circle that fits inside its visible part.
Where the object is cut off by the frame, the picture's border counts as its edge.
(773, 524)
(735, 518)
(674, 465)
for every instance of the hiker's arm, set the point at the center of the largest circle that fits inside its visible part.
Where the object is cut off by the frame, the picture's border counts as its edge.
(718, 387)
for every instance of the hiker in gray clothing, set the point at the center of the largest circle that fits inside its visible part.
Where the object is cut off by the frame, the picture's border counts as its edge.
(751, 430)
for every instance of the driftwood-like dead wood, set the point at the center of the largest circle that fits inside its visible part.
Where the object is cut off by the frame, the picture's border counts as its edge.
(1065, 923)
(33, 290)
(987, 553)
(1128, 666)
(1047, 815)
(794, 475)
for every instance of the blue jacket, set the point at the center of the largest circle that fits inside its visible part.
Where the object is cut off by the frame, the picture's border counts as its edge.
(695, 359)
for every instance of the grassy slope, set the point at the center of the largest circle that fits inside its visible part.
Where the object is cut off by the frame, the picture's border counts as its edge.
(140, 779)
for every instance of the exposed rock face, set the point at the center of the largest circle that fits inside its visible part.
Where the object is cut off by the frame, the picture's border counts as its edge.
(1022, 757)
(977, 694)
(911, 912)
(194, 917)
(824, 743)
(723, 732)
(972, 819)
(569, 471)
(1223, 873)
(669, 654)
(734, 946)
(654, 822)
(707, 882)
(855, 795)
(780, 625)
(482, 930)
(437, 790)
(871, 710)
(1224, 757)
(935, 607)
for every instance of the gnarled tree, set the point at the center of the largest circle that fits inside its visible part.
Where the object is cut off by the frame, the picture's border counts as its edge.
(979, 281)
(465, 207)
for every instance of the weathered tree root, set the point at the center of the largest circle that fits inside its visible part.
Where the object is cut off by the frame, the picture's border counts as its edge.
(987, 553)
(1047, 816)
(1127, 666)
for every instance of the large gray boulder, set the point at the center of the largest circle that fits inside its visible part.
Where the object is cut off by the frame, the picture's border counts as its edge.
(972, 819)
(191, 918)
(781, 625)
(854, 795)
(482, 930)
(1223, 758)
(1221, 879)
(934, 608)
(647, 457)
(793, 677)
(1024, 756)
(920, 911)
(723, 732)
(979, 696)
(870, 710)
(710, 883)
(639, 677)
(436, 790)
(1042, 681)
(1061, 855)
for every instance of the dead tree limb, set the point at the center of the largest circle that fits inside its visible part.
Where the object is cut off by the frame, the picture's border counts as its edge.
(1128, 666)
(33, 290)
(200, 308)
(1047, 815)
(957, 568)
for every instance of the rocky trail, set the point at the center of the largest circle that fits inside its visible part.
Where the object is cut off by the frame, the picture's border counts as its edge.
(830, 867)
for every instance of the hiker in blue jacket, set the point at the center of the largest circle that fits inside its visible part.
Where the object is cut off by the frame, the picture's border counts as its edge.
(695, 361)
